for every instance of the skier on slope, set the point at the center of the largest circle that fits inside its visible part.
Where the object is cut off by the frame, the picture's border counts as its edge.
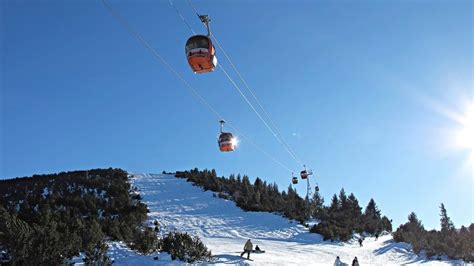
(247, 248)
(360, 241)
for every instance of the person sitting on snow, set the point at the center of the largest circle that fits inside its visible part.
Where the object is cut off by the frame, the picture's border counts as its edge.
(257, 248)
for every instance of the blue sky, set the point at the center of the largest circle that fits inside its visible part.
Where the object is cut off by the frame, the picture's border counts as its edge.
(363, 91)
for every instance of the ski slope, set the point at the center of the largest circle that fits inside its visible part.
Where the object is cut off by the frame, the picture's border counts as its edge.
(224, 228)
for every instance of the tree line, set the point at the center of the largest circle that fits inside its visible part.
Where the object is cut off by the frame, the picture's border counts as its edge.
(338, 221)
(456, 243)
(256, 196)
(344, 216)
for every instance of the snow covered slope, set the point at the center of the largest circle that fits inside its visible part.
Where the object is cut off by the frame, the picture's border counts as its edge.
(224, 228)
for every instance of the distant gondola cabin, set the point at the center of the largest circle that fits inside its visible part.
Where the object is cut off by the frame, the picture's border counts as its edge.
(294, 180)
(226, 142)
(201, 54)
(304, 174)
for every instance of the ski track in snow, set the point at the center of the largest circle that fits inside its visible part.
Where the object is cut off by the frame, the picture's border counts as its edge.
(224, 228)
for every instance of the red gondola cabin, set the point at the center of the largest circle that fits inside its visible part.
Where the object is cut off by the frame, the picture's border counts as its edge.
(226, 142)
(201, 54)
(304, 174)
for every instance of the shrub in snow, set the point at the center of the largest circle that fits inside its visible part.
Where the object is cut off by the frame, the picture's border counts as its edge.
(97, 255)
(146, 241)
(184, 247)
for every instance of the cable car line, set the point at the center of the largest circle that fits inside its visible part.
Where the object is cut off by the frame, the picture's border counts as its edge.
(278, 136)
(268, 155)
(246, 85)
(195, 93)
(158, 56)
(181, 16)
(256, 99)
(260, 149)
(192, 6)
(256, 112)
(239, 75)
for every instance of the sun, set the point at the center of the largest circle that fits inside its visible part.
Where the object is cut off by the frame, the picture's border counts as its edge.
(464, 134)
(459, 132)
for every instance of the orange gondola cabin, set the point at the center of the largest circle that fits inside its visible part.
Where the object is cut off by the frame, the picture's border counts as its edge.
(201, 54)
(226, 140)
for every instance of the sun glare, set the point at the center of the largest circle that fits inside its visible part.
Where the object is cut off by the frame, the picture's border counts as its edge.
(464, 135)
(235, 141)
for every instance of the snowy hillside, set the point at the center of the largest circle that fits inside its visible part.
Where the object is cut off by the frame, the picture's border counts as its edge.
(224, 228)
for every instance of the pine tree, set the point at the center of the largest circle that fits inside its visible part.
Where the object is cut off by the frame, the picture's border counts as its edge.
(446, 223)
(372, 211)
(413, 220)
(213, 173)
(343, 200)
(411, 232)
(258, 184)
(372, 219)
(334, 207)
(386, 224)
(317, 205)
(354, 213)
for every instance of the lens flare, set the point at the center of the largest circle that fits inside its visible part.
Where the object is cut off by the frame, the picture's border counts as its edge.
(235, 141)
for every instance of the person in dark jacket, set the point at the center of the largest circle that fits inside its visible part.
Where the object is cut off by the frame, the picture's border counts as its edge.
(355, 262)
(360, 241)
(247, 248)
(338, 262)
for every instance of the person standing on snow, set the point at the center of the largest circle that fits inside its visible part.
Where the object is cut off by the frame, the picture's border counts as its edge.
(338, 262)
(360, 241)
(355, 262)
(247, 248)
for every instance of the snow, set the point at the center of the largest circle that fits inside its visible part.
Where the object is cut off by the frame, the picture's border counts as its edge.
(45, 192)
(224, 228)
(100, 213)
